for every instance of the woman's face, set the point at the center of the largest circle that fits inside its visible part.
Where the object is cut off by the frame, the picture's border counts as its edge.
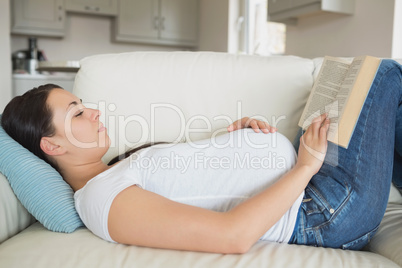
(78, 128)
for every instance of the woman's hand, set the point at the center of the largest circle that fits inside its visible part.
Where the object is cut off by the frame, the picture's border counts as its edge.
(255, 124)
(313, 144)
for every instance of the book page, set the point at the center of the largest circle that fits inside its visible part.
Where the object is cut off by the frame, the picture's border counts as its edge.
(323, 96)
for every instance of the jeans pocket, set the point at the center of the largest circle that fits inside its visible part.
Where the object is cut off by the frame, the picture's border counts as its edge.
(322, 201)
(360, 242)
(329, 193)
(311, 205)
(314, 210)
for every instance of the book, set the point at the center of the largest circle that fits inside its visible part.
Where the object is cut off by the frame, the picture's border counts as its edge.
(340, 90)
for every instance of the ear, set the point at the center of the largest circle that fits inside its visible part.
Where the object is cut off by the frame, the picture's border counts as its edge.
(49, 147)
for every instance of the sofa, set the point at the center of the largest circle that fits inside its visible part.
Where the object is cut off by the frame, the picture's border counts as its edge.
(183, 97)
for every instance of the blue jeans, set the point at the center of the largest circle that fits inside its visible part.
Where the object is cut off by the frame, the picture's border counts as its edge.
(345, 201)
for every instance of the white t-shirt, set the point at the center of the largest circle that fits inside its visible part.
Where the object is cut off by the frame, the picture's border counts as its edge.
(216, 174)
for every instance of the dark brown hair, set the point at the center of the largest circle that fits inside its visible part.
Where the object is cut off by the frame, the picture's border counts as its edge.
(27, 118)
(130, 152)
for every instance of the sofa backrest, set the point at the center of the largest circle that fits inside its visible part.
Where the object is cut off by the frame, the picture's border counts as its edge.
(177, 96)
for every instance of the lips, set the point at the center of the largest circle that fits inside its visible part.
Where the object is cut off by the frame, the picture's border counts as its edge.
(102, 128)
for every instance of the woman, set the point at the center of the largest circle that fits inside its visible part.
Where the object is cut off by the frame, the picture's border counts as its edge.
(336, 203)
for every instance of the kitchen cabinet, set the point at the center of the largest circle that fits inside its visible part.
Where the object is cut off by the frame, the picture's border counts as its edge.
(38, 17)
(288, 11)
(98, 7)
(162, 22)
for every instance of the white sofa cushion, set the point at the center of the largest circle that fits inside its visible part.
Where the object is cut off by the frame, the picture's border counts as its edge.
(388, 240)
(38, 247)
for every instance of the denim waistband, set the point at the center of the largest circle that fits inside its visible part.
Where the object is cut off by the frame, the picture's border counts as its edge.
(292, 239)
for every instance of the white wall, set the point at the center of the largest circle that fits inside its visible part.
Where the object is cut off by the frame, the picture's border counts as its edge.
(85, 35)
(5, 54)
(368, 31)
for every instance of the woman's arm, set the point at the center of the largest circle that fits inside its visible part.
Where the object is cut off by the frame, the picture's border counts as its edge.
(142, 218)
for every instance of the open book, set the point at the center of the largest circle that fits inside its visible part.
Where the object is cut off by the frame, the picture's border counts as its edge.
(340, 90)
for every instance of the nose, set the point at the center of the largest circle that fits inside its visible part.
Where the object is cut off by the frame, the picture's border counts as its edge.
(94, 114)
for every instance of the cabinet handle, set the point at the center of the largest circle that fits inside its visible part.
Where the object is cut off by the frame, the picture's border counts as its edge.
(163, 23)
(156, 23)
(89, 8)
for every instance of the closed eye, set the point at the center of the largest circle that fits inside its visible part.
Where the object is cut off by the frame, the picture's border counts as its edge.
(80, 113)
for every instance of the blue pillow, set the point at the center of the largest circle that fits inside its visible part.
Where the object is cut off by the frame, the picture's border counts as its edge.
(38, 186)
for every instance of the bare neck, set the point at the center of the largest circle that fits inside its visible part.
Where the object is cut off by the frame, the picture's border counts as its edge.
(78, 175)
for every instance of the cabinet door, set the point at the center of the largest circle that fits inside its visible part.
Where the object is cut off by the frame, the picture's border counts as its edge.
(179, 21)
(101, 7)
(137, 21)
(275, 6)
(300, 3)
(38, 17)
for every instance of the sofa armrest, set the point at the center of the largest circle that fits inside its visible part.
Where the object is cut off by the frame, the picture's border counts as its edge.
(13, 216)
